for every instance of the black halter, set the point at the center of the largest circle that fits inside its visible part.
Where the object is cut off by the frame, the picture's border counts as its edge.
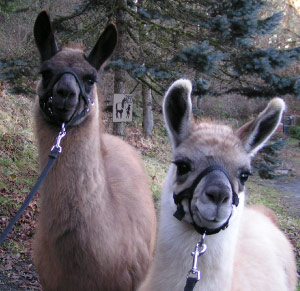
(46, 100)
(188, 194)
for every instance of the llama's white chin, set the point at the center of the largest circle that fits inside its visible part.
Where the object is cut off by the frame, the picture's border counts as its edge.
(210, 216)
(211, 221)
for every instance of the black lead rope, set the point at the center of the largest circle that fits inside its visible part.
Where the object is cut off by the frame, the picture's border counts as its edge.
(190, 283)
(55, 150)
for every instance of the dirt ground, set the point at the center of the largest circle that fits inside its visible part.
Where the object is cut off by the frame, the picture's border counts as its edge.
(290, 191)
(289, 185)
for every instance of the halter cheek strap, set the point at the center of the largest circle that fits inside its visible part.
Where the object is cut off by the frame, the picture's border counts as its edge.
(188, 194)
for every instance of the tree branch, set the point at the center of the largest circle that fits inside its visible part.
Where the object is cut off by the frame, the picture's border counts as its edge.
(150, 86)
(59, 20)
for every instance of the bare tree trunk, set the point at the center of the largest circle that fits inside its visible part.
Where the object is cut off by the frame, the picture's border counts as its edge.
(195, 101)
(120, 75)
(146, 91)
(196, 98)
(147, 111)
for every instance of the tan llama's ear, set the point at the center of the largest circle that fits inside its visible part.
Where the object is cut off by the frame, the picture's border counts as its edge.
(104, 47)
(44, 37)
(177, 109)
(256, 133)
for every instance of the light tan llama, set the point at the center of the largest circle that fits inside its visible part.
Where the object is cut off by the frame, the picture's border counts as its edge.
(97, 223)
(245, 249)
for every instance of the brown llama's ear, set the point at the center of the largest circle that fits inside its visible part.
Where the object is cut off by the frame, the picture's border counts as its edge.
(177, 109)
(44, 37)
(256, 133)
(104, 47)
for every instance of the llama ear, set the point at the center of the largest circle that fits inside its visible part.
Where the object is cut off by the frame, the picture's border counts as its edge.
(44, 36)
(255, 133)
(104, 47)
(177, 108)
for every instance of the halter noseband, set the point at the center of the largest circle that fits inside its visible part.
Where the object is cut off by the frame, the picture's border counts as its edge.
(46, 100)
(188, 194)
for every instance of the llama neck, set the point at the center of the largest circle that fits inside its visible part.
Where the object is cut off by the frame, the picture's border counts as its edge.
(216, 264)
(77, 178)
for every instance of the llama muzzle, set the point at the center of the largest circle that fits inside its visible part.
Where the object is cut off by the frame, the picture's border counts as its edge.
(215, 197)
(66, 99)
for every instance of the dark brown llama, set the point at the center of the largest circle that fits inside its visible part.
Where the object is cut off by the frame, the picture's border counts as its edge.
(97, 223)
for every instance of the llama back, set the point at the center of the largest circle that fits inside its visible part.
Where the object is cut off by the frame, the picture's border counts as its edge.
(264, 258)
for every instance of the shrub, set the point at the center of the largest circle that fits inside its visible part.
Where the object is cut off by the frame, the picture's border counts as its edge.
(295, 132)
(269, 158)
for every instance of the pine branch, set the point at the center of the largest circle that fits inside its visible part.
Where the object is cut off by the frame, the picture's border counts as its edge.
(156, 25)
(60, 19)
(149, 85)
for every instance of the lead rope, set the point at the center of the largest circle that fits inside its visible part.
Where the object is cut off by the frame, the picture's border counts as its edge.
(55, 151)
(194, 274)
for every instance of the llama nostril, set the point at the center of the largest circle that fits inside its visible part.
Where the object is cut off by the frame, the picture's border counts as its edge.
(211, 197)
(225, 200)
(217, 195)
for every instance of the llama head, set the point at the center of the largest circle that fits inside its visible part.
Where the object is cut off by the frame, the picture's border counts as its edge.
(199, 146)
(68, 74)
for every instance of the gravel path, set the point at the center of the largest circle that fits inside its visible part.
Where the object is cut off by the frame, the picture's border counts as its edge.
(290, 192)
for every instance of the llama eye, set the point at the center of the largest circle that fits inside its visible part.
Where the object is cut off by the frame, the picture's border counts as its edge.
(90, 82)
(182, 167)
(244, 177)
(90, 79)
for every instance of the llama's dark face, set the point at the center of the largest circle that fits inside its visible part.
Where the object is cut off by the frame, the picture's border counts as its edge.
(68, 75)
(63, 88)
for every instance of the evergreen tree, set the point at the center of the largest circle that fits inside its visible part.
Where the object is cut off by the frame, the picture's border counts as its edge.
(214, 43)
(270, 158)
(215, 40)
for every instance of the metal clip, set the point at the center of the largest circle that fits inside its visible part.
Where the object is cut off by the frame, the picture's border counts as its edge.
(200, 249)
(91, 102)
(60, 136)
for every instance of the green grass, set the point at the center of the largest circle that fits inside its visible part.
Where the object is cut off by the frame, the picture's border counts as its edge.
(156, 171)
(18, 154)
(18, 160)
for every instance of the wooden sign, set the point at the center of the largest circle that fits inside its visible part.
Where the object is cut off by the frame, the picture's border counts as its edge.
(122, 108)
